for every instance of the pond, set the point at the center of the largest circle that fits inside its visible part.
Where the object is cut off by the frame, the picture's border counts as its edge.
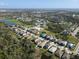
(7, 22)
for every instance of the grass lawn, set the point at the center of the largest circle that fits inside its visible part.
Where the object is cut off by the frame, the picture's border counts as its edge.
(1, 24)
(72, 39)
(13, 20)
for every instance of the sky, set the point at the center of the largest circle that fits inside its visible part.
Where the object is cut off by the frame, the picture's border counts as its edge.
(39, 3)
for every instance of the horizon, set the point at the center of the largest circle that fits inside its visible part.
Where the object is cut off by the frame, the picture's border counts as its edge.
(43, 8)
(37, 4)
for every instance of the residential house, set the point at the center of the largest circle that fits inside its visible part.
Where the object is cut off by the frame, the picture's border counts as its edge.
(37, 28)
(52, 49)
(65, 32)
(62, 43)
(70, 45)
(47, 37)
(42, 44)
(65, 56)
(60, 47)
(52, 38)
(37, 41)
(43, 34)
(49, 45)
(59, 53)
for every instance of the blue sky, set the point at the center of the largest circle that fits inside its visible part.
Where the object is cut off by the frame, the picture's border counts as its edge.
(39, 3)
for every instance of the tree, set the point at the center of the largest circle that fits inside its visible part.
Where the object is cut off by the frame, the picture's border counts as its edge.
(13, 48)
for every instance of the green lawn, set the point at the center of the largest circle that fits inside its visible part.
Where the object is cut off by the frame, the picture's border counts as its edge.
(72, 39)
(13, 20)
(1, 24)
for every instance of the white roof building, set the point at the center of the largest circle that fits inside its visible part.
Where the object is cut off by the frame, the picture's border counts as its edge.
(51, 44)
(53, 49)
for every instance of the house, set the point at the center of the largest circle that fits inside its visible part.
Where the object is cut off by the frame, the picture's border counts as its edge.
(65, 56)
(34, 31)
(28, 33)
(59, 53)
(21, 33)
(43, 34)
(49, 45)
(40, 38)
(24, 34)
(24, 31)
(37, 41)
(37, 28)
(46, 45)
(70, 45)
(15, 29)
(61, 47)
(65, 32)
(52, 49)
(47, 37)
(62, 43)
(42, 44)
(68, 51)
(52, 38)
